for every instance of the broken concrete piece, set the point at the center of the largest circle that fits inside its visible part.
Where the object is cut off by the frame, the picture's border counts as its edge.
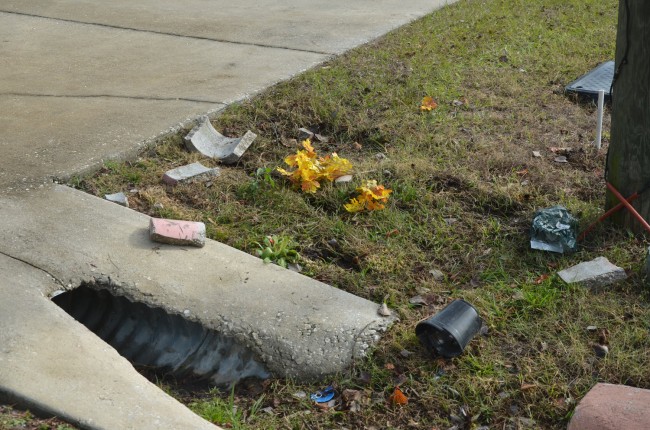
(600, 350)
(189, 173)
(438, 275)
(612, 407)
(593, 274)
(119, 198)
(321, 138)
(561, 159)
(384, 311)
(205, 139)
(303, 134)
(175, 232)
(343, 179)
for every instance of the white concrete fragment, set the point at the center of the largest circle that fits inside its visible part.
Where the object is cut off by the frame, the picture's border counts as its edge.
(593, 274)
(205, 139)
(119, 198)
(304, 133)
(343, 179)
(190, 173)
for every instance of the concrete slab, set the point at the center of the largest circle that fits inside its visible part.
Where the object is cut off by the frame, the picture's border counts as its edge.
(55, 137)
(325, 26)
(302, 328)
(52, 364)
(72, 94)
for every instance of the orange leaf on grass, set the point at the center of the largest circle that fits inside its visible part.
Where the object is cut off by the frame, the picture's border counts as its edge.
(541, 279)
(428, 103)
(398, 397)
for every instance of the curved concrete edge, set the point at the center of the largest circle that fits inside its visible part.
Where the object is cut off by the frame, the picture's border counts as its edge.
(54, 365)
(612, 407)
(297, 326)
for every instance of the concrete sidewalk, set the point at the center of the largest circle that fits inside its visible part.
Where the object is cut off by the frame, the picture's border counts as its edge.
(86, 81)
(83, 81)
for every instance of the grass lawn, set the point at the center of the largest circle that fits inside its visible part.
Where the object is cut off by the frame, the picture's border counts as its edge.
(465, 186)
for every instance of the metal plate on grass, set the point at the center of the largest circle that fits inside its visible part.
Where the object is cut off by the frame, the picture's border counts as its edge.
(588, 84)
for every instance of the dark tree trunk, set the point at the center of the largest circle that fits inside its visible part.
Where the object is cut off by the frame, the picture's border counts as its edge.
(628, 164)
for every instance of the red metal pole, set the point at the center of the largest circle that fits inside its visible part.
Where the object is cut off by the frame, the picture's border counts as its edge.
(606, 215)
(629, 207)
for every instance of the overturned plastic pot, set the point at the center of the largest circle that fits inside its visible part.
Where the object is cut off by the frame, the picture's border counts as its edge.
(448, 332)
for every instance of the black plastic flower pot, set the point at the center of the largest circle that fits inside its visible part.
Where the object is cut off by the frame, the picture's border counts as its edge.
(448, 332)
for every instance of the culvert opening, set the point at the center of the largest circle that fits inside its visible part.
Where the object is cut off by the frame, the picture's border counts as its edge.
(163, 343)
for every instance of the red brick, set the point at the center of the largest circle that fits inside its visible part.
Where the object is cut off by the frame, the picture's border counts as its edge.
(613, 407)
(176, 232)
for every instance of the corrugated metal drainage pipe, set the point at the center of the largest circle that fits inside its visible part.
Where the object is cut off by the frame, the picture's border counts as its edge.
(153, 338)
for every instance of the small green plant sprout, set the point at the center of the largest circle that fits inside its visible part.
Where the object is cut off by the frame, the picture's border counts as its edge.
(278, 250)
(263, 175)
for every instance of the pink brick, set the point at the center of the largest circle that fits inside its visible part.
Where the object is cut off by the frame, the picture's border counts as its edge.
(176, 232)
(613, 407)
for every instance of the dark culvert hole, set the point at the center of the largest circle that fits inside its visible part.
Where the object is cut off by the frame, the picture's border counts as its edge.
(167, 344)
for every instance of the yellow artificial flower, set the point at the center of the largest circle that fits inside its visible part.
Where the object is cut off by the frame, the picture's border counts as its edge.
(355, 205)
(333, 166)
(371, 197)
(310, 170)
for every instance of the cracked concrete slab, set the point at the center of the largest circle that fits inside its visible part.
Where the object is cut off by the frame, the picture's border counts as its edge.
(44, 137)
(302, 328)
(326, 26)
(53, 364)
(72, 95)
(75, 60)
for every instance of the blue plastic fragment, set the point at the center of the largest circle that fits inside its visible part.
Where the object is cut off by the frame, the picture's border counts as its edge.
(324, 395)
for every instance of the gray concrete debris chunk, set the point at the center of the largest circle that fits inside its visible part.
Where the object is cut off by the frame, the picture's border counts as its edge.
(119, 198)
(343, 179)
(304, 133)
(593, 274)
(384, 311)
(437, 274)
(205, 139)
(190, 173)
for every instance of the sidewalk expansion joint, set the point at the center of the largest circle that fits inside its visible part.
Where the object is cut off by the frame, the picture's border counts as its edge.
(163, 33)
(54, 278)
(92, 96)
